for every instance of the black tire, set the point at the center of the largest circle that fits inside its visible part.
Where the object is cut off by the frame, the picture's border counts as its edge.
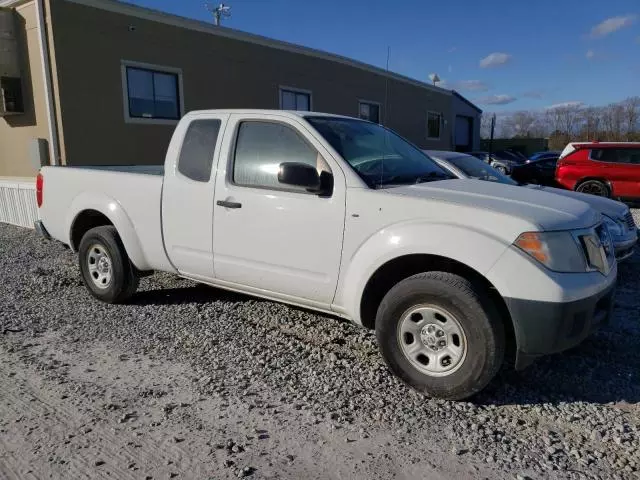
(478, 318)
(123, 280)
(594, 187)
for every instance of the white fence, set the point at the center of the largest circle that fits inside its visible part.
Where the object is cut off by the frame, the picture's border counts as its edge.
(18, 202)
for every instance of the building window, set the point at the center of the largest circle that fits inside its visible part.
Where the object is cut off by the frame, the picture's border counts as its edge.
(369, 111)
(434, 120)
(295, 99)
(152, 94)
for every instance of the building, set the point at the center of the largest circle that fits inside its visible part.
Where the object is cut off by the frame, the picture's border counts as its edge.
(100, 82)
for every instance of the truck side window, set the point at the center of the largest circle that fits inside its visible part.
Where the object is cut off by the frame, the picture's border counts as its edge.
(260, 149)
(198, 147)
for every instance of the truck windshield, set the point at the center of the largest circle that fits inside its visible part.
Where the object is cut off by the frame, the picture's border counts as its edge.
(379, 156)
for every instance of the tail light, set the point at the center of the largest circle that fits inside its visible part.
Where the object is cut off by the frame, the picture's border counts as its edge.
(39, 187)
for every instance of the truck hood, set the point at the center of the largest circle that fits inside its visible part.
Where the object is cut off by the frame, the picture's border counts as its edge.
(547, 211)
(606, 206)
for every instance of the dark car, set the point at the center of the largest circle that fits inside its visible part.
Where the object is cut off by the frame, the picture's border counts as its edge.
(502, 160)
(540, 172)
(546, 155)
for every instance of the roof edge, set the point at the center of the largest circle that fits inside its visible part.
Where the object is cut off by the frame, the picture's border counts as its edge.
(200, 26)
(465, 100)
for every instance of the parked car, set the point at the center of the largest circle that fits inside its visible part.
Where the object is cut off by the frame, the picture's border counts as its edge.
(343, 216)
(541, 171)
(601, 168)
(616, 215)
(502, 160)
(544, 155)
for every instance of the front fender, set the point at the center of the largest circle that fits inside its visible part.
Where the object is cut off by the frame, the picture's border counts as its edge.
(111, 209)
(476, 249)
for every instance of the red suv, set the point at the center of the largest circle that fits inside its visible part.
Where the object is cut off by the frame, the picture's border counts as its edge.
(601, 168)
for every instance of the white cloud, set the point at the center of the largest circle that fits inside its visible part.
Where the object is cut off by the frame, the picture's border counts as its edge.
(611, 25)
(472, 85)
(450, 69)
(565, 105)
(533, 94)
(452, 49)
(590, 54)
(497, 100)
(495, 59)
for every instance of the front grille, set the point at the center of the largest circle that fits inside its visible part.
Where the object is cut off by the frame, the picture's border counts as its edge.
(631, 223)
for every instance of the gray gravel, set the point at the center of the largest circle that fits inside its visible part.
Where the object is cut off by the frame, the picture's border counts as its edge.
(572, 415)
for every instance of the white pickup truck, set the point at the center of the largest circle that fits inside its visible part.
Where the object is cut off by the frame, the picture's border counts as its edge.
(343, 216)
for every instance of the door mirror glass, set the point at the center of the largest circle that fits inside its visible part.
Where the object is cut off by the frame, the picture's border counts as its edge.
(299, 175)
(305, 176)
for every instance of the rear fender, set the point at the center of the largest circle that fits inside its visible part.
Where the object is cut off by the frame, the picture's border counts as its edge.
(111, 209)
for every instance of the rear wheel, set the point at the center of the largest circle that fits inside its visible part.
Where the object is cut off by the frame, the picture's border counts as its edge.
(106, 269)
(437, 335)
(594, 187)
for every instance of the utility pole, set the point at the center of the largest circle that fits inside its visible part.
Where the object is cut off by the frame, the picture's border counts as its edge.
(218, 12)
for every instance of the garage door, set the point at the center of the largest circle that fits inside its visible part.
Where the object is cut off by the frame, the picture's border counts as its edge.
(463, 133)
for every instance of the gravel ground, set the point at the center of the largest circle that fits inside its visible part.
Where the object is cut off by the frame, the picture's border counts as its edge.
(193, 382)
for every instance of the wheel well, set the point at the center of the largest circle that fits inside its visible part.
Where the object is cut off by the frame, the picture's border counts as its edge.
(400, 268)
(85, 221)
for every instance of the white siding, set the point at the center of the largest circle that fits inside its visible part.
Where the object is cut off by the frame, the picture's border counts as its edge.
(18, 202)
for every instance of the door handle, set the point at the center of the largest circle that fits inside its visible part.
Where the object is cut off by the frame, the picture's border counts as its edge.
(226, 204)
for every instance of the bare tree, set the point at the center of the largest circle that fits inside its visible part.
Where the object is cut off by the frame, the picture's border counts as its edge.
(521, 123)
(591, 123)
(631, 108)
(485, 125)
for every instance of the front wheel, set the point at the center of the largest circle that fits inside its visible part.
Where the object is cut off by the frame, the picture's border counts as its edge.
(106, 269)
(438, 335)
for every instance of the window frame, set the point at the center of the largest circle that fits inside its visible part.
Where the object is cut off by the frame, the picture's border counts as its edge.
(285, 88)
(232, 161)
(440, 121)
(362, 101)
(124, 64)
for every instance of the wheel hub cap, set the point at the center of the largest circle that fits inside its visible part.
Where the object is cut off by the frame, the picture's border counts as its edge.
(432, 340)
(99, 266)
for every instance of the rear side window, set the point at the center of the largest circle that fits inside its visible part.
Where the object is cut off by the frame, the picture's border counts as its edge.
(198, 147)
(617, 155)
(260, 149)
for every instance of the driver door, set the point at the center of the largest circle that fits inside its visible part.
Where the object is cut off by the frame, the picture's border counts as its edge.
(275, 238)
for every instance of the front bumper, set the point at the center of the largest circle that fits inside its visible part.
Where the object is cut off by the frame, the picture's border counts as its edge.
(548, 328)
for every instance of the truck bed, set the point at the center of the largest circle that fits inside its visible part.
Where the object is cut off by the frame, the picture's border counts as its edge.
(132, 194)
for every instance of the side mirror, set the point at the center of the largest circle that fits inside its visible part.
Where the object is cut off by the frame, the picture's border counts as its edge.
(306, 176)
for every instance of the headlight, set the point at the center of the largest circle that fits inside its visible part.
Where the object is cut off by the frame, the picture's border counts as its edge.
(615, 227)
(557, 251)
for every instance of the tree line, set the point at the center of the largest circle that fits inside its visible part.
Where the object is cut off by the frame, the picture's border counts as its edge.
(571, 122)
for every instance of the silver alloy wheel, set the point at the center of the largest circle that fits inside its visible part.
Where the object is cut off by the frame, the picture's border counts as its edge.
(99, 265)
(432, 340)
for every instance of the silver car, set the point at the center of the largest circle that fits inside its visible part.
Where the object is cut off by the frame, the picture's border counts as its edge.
(616, 215)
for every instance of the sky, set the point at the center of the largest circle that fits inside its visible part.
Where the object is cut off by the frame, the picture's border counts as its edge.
(503, 55)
